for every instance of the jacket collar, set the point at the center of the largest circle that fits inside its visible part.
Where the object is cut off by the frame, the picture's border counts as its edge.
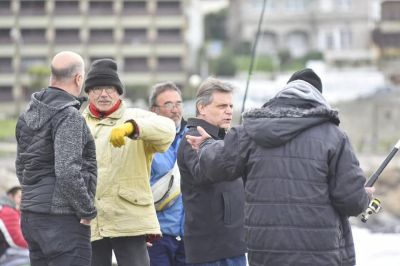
(182, 127)
(117, 114)
(215, 132)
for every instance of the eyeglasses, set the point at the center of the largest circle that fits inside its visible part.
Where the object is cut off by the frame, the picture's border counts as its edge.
(170, 106)
(99, 90)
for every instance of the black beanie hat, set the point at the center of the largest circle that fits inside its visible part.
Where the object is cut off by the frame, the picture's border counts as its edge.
(103, 72)
(309, 76)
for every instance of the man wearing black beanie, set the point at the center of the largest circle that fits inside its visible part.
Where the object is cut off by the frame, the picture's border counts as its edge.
(303, 179)
(103, 72)
(309, 76)
(126, 139)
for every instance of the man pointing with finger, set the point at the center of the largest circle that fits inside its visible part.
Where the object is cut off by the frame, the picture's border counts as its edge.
(126, 140)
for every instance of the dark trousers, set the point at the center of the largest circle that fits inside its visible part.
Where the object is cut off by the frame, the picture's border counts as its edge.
(129, 251)
(235, 261)
(167, 251)
(56, 240)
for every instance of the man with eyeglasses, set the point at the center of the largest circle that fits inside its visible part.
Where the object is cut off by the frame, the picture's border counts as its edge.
(166, 100)
(214, 212)
(126, 140)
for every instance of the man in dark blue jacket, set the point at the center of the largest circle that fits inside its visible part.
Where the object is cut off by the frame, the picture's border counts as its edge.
(303, 178)
(166, 100)
(214, 216)
(56, 166)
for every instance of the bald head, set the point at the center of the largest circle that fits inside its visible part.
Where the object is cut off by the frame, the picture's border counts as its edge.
(67, 71)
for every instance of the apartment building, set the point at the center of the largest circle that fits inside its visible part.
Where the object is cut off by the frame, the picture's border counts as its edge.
(340, 29)
(145, 37)
(387, 32)
(386, 36)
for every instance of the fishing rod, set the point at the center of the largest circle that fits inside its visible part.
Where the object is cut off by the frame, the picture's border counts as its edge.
(253, 54)
(375, 204)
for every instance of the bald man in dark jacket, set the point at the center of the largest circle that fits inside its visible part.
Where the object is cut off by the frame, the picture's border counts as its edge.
(56, 166)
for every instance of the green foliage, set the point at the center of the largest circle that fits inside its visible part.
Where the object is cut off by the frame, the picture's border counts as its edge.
(39, 77)
(261, 63)
(137, 92)
(314, 55)
(215, 25)
(289, 64)
(223, 65)
(7, 128)
(242, 48)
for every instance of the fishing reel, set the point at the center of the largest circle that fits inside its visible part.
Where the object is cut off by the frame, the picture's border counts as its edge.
(373, 207)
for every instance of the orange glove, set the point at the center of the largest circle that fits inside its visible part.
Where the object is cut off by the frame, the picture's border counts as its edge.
(118, 133)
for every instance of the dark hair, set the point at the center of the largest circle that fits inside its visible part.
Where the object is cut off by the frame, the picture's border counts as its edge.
(160, 88)
(14, 190)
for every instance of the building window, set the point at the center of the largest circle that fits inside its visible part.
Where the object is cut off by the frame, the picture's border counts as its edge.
(297, 43)
(268, 43)
(5, 36)
(5, 7)
(326, 5)
(101, 36)
(390, 40)
(29, 62)
(100, 8)
(169, 8)
(391, 11)
(134, 8)
(329, 41)
(67, 36)
(343, 5)
(136, 64)
(169, 64)
(169, 35)
(6, 65)
(135, 36)
(346, 39)
(6, 93)
(66, 8)
(296, 5)
(32, 8)
(269, 5)
(33, 36)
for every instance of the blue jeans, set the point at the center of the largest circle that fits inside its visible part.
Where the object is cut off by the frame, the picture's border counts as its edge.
(56, 240)
(234, 261)
(167, 251)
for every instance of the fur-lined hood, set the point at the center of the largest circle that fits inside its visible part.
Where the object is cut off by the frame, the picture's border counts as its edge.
(297, 107)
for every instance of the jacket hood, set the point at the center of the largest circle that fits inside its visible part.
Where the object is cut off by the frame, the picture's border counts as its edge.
(297, 107)
(6, 201)
(45, 104)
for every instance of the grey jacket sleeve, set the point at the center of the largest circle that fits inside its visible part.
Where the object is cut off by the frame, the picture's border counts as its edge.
(223, 160)
(68, 147)
(346, 181)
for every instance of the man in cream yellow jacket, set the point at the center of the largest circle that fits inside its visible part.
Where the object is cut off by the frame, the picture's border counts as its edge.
(126, 140)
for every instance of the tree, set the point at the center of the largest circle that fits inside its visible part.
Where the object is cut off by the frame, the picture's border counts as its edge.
(215, 25)
(38, 76)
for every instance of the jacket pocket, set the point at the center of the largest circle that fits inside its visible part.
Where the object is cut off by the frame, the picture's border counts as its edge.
(227, 208)
(134, 196)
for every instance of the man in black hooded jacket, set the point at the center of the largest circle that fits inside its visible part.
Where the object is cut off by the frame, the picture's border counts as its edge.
(303, 178)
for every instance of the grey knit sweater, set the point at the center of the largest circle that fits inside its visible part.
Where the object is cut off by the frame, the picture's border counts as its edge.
(56, 158)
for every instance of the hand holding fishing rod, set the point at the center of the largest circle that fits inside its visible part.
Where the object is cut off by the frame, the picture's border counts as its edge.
(375, 204)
